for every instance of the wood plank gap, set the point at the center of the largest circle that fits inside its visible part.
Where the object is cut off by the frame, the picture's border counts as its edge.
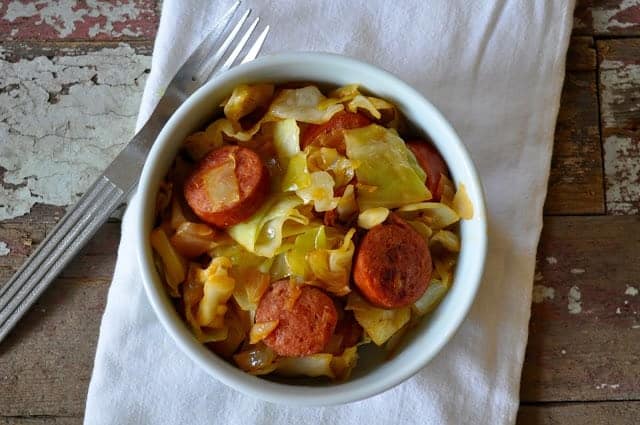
(575, 402)
(599, 103)
(614, 37)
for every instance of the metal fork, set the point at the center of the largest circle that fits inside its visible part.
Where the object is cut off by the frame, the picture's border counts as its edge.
(233, 39)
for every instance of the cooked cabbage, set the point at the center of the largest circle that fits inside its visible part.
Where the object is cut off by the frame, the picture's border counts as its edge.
(217, 289)
(320, 192)
(262, 233)
(193, 239)
(446, 239)
(257, 360)
(431, 298)
(347, 205)
(343, 364)
(313, 365)
(462, 204)
(245, 99)
(372, 217)
(222, 185)
(260, 331)
(174, 264)
(380, 324)
(361, 102)
(201, 143)
(342, 169)
(386, 164)
(332, 267)
(297, 175)
(286, 140)
(435, 214)
(302, 105)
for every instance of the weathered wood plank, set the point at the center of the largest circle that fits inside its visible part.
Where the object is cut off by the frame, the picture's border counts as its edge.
(46, 362)
(79, 20)
(581, 55)
(619, 74)
(607, 17)
(614, 413)
(40, 420)
(584, 332)
(575, 182)
(74, 105)
(96, 259)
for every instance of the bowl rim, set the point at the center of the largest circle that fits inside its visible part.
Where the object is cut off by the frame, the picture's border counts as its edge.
(217, 367)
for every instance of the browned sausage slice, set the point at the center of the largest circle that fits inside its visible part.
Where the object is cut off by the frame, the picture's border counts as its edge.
(304, 328)
(222, 198)
(393, 266)
(432, 164)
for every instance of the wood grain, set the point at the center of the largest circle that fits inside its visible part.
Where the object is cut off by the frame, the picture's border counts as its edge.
(606, 413)
(581, 55)
(607, 18)
(80, 20)
(40, 420)
(619, 76)
(584, 335)
(575, 181)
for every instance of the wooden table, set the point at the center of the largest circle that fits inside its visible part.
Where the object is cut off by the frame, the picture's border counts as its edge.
(61, 66)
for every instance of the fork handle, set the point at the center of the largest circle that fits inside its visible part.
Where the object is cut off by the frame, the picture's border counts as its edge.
(59, 247)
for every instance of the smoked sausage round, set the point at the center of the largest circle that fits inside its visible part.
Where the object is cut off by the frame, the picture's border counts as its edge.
(305, 327)
(393, 265)
(225, 198)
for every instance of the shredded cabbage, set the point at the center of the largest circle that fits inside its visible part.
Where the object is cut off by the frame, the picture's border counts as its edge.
(380, 324)
(386, 164)
(201, 143)
(245, 99)
(342, 169)
(347, 205)
(319, 192)
(286, 140)
(462, 204)
(332, 267)
(431, 298)
(262, 233)
(217, 289)
(303, 105)
(174, 264)
(446, 239)
(372, 217)
(314, 365)
(435, 214)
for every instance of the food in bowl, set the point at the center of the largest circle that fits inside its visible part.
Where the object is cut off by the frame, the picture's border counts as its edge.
(300, 225)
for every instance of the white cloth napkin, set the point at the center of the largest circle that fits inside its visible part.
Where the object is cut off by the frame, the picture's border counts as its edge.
(495, 69)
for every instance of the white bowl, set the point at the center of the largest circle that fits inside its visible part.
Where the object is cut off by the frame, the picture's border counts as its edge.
(374, 374)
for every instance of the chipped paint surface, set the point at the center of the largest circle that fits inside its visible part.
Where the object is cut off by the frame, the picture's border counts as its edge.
(4, 249)
(575, 304)
(62, 120)
(541, 293)
(631, 291)
(622, 169)
(620, 111)
(552, 260)
(577, 271)
(52, 19)
(610, 17)
(603, 386)
(618, 311)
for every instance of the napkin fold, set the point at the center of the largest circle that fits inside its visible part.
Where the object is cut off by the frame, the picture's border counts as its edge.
(495, 69)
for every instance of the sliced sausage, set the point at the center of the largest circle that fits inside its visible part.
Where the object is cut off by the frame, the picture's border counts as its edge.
(432, 164)
(251, 183)
(329, 134)
(393, 265)
(304, 328)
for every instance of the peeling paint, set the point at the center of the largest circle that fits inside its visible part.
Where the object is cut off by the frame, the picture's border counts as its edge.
(577, 271)
(62, 120)
(552, 260)
(4, 249)
(84, 17)
(618, 311)
(541, 293)
(631, 291)
(603, 386)
(563, 352)
(607, 18)
(538, 277)
(575, 305)
(622, 170)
